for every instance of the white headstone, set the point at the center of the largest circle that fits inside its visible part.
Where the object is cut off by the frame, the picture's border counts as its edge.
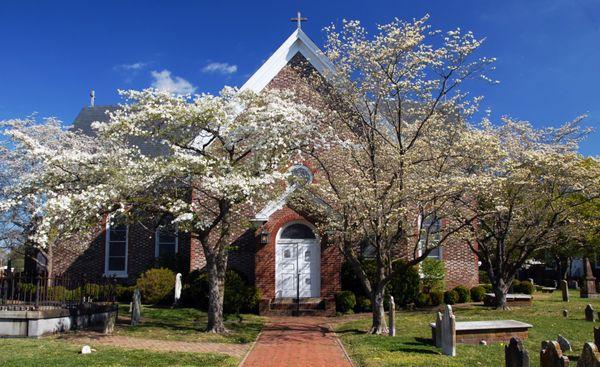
(86, 349)
(392, 315)
(448, 332)
(136, 311)
(177, 288)
(438, 329)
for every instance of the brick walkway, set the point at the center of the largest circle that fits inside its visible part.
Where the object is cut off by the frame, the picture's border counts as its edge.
(296, 342)
(235, 350)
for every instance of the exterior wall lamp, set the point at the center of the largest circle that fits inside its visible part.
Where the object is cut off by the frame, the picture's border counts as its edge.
(264, 236)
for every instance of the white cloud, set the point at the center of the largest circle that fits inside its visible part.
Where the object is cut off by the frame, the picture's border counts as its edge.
(177, 85)
(134, 66)
(219, 67)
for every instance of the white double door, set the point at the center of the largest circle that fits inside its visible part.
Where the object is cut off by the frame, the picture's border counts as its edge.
(298, 269)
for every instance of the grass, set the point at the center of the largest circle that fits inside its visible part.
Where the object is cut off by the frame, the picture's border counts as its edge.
(412, 345)
(52, 352)
(186, 324)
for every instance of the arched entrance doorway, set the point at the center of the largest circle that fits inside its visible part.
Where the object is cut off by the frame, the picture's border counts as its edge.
(297, 262)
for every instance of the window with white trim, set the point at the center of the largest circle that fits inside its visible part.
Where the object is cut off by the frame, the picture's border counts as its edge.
(167, 240)
(117, 238)
(430, 236)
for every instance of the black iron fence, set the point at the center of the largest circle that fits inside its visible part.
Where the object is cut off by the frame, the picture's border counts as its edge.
(34, 291)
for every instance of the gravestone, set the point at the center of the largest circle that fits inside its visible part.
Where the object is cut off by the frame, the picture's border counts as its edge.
(531, 281)
(392, 315)
(515, 354)
(588, 287)
(565, 290)
(448, 332)
(597, 335)
(438, 330)
(551, 355)
(565, 313)
(554, 284)
(565, 345)
(589, 356)
(177, 288)
(86, 349)
(136, 309)
(589, 313)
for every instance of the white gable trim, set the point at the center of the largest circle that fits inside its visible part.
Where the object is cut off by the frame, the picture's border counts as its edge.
(296, 42)
(274, 205)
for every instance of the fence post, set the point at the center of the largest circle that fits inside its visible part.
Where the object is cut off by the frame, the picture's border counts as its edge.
(37, 291)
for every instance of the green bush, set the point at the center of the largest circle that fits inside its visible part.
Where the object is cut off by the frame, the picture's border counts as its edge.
(423, 300)
(350, 281)
(26, 289)
(405, 284)
(483, 276)
(450, 297)
(238, 297)
(515, 286)
(488, 288)
(433, 275)
(477, 293)
(155, 285)
(124, 293)
(436, 298)
(59, 293)
(345, 301)
(363, 304)
(524, 287)
(464, 295)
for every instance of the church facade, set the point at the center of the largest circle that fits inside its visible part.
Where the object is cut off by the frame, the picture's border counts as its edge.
(282, 254)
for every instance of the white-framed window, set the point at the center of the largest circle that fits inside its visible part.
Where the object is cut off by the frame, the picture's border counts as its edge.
(431, 232)
(166, 241)
(116, 248)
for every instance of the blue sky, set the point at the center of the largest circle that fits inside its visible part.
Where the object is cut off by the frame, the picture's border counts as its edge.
(54, 52)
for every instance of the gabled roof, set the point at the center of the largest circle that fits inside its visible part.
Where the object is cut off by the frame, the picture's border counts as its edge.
(296, 42)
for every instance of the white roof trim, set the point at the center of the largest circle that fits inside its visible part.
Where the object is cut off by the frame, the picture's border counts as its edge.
(296, 42)
(274, 205)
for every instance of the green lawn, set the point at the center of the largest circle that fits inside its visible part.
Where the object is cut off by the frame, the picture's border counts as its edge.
(52, 352)
(412, 346)
(186, 324)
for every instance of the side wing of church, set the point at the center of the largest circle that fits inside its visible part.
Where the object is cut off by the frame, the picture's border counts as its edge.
(285, 258)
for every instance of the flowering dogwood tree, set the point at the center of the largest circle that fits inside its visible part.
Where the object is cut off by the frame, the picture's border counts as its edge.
(530, 186)
(204, 160)
(399, 141)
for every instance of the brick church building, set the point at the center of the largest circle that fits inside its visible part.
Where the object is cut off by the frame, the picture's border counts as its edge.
(284, 258)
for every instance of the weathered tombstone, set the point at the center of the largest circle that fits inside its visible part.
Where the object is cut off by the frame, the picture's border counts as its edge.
(448, 332)
(438, 330)
(589, 356)
(109, 324)
(596, 335)
(515, 354)
(589, 313)
(565, 345)
(392, 314)
(554, 284)
(136, 309)
(551, 355)
(588, 288)
(565, 290)
(531, 281)
(565, 313)
(177, 288)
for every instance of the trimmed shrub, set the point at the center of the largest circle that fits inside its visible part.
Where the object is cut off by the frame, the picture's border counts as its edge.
(433, 275)
(345, 301)
(423, 300)
(450, 297)
(524, 287)
(238, 297)
(477, 293)
(515, 286)
(488, 288)
(464, 295)
(436, 298)
(156, 284)
(124, 293)
(404, 286)
(363, 304)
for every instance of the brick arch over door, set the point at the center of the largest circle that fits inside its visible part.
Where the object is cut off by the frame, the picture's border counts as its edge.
(331, 261)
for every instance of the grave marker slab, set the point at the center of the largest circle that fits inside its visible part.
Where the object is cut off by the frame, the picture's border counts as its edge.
(589, 356)
(392, 314)
(177, 288)
(448, 332)
(564, 288)
(515, 354)
(565, 345)
(551, 355)
(597, 335)
(589, 313)
(136, 309)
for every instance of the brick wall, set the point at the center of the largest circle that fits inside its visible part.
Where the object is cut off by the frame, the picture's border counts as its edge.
(460, 264)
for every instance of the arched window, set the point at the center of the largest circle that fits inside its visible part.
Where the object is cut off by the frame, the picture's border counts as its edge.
(297, 231)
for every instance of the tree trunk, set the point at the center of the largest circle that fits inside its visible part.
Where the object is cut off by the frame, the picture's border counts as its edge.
(379, 325)
(216, 291)
(500, 290)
